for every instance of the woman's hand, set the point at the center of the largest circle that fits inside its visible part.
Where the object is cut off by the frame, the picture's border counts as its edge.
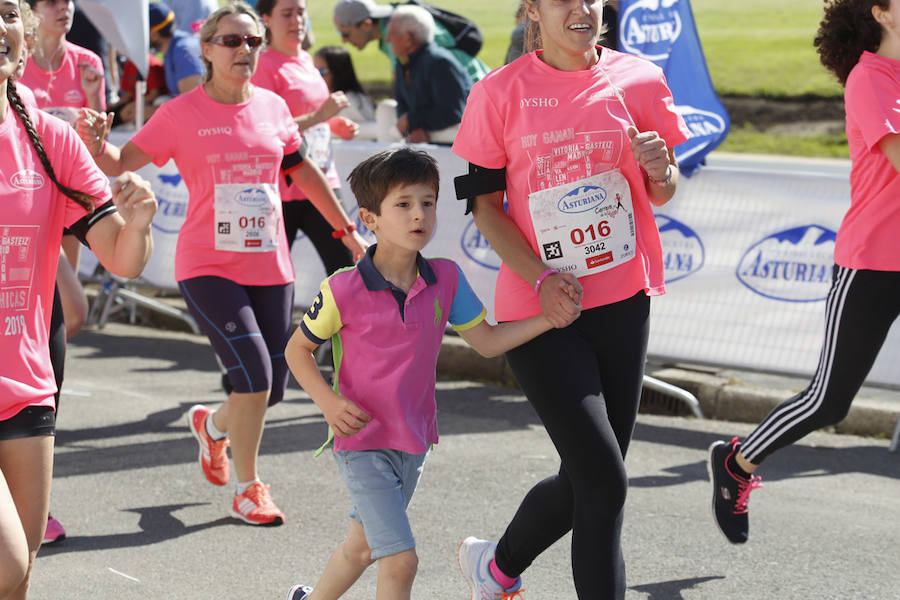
(650, 152)
(343, 127)
(356, 244)
(560, 295)
(135, 200)
(336, 102)
(91, 81)
(93, 128)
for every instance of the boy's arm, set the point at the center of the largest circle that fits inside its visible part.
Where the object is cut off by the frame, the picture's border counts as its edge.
(341, 414)
(493, 340)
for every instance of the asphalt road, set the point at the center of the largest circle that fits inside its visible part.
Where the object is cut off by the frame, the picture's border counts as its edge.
(143, 523)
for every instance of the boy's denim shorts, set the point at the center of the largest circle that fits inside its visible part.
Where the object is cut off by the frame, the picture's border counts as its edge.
(381, 484)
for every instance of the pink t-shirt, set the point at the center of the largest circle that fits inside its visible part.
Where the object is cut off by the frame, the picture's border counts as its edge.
(32, 216)
(230, 158)
(26, 95)
(62, 89)
(868, 236)
(296, 79)
(557, 132)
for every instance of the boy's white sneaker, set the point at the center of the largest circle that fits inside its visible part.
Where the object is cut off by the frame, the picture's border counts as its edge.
(299, 592)
(474, 563)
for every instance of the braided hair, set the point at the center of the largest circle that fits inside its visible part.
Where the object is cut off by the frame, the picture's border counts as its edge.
(83, 199)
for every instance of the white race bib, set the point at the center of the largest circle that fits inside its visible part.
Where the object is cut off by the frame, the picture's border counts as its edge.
(247, 217)
(318, 141)
(66, 113)
(587, 226)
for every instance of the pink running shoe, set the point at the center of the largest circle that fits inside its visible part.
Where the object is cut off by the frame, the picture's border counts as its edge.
(255, 506)
(213, 455)
(54, 531)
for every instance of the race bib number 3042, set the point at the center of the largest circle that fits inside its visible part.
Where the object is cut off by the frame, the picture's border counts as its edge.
(587, 226)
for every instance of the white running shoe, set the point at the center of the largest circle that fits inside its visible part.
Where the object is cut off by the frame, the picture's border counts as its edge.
(474, 560)
(299, 592)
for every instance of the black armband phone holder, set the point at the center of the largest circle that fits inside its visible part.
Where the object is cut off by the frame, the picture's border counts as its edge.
(478, 181)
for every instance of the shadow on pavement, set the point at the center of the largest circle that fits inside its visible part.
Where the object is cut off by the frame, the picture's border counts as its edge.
(671, 590)
(157, 524)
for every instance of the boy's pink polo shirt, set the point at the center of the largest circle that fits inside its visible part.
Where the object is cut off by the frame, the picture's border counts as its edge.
(385, 362)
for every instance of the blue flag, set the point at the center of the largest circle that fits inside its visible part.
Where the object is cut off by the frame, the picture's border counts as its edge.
(663, 32)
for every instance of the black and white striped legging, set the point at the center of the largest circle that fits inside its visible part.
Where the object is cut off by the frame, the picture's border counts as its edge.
(861, 307)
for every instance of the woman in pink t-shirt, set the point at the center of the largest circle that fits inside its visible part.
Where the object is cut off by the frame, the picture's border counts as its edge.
(232, 143)
(585, 136)
(858, 41)
(288, 70)
(63, 76)
(48, 182)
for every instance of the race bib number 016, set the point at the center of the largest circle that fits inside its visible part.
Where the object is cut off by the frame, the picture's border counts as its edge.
(247, 217)
(585, 227)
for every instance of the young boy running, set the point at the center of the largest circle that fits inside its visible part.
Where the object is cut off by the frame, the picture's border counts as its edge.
(386, 317)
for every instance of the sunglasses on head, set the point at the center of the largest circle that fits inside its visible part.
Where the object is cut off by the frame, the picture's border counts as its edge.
(233, 40)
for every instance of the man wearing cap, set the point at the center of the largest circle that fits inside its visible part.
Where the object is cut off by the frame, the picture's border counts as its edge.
(362, 21)
(430, 87)
(181, 51)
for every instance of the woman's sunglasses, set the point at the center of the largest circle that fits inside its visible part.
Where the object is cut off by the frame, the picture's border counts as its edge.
(233, 40)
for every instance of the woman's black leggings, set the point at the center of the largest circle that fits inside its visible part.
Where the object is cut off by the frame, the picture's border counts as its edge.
(861, 307)
(301, 215)
(584, 381)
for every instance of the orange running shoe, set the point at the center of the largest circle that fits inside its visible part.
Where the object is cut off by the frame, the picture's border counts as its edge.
(213, 456)
(255, 506)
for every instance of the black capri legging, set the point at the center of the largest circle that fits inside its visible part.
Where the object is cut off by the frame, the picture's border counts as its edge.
(301, 215)
(584, 381)
(248, 327)
(860, 309)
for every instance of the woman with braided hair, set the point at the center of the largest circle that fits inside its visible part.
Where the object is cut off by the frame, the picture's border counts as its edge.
(47, 181)
(858, 41)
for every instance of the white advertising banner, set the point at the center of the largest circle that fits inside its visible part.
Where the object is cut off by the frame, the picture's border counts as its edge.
(748, 254)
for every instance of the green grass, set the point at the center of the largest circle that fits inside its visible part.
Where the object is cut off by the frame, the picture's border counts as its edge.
(763, 48)
(746, 138)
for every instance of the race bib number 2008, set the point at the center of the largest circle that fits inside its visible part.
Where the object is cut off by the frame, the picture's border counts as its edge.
(587, 226)
(247, 218)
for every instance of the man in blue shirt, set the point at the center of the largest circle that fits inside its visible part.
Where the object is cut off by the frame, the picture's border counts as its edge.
(181, 51)
(430, 86)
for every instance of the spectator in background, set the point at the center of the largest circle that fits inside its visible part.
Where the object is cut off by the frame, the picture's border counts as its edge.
(190, 14)
(430, 86)
(181, 51)
(123, 111)
(336, 68)
(362, 21)
(517, 37)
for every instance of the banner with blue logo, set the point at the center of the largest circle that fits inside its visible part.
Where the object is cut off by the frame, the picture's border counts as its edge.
(663, 32)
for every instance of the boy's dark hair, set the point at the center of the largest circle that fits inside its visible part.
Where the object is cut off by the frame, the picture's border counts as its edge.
(375, 177)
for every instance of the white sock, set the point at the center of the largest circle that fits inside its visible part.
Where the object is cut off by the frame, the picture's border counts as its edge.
(211, 430)
(242, 487)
